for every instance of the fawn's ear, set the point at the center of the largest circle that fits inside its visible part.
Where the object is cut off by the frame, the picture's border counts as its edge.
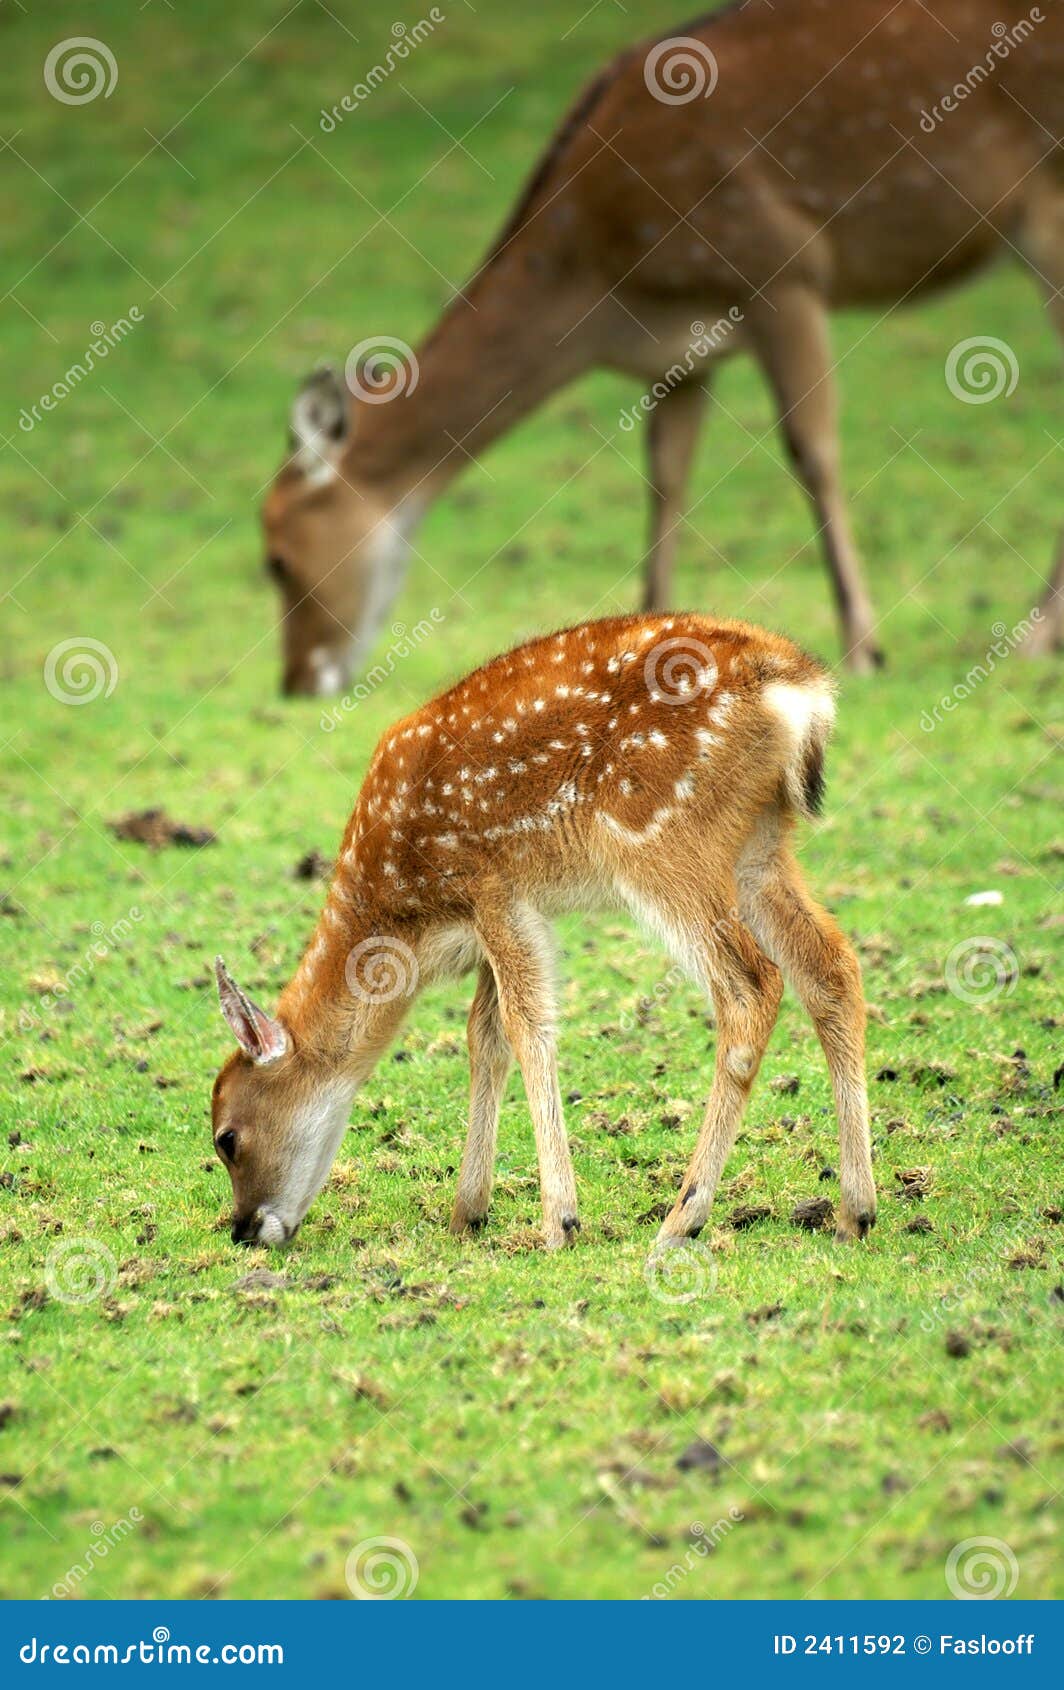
(259, 1035)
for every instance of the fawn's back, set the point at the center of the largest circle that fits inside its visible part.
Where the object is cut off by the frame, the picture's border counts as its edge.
(559, 761)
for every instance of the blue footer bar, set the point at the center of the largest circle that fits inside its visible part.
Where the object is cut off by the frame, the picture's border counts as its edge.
(390, 1641)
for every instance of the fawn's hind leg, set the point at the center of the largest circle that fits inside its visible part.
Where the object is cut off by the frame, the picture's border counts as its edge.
(746, 989)
(490, 1059)
(821, 965)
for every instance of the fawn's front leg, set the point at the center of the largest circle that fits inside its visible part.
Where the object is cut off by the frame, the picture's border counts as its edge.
(490, 1058)
(518, 948)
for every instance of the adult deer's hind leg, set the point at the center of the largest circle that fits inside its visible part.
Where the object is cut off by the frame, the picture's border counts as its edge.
(790, 336)
(672, 431)
(821, 965)
(1042, 243)
(746, 989)
(490, 1059)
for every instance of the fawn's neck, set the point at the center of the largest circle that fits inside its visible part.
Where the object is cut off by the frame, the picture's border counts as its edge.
(349, 994)
(500, 349)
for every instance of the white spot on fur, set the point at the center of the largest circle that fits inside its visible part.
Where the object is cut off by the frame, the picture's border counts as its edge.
(633, 836)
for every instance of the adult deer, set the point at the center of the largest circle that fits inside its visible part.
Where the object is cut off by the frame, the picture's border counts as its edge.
(780, 159)
(656, 764)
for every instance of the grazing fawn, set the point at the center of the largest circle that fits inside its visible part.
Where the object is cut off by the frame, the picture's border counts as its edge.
(653, 763)
(723, 190)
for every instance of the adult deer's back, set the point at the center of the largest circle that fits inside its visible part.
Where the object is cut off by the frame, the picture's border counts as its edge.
(774, 161)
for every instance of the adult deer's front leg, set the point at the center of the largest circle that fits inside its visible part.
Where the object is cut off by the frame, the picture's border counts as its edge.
(790, 336)
(517, 946)
(672, 431)
(490, 1058)
(1042, 242)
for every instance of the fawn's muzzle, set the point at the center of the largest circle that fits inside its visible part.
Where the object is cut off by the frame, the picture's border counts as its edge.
(262, 1226)
(245, 1228)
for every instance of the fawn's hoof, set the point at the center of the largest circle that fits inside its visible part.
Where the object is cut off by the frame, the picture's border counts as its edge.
(557, 1234)
(462, 1221)
(684, 1220)
(852, 1227)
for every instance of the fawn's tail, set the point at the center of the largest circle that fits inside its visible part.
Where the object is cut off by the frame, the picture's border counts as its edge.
(806, 711)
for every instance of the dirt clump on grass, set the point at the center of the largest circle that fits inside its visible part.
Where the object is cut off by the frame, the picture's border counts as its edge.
(156, 829)
(313, 866)
(813, 1213)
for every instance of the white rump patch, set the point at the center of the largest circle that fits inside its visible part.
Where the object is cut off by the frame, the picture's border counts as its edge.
(804, 707)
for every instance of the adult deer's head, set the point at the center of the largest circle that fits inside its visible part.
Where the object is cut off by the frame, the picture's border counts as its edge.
(277, 1118)
(332, 546)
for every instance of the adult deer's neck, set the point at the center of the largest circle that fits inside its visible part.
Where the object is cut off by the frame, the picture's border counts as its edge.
(503, 346)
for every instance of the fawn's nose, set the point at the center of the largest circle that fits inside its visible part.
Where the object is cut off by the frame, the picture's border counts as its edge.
(245, 1228)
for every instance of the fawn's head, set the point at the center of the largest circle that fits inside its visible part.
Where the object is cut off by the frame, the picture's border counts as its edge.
(277, 1117)
(331, 548)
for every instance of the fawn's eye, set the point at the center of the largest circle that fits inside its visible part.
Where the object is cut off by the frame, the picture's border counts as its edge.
(277, 570)
(225, 1144)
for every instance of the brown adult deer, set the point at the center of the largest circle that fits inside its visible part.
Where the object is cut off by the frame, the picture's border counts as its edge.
(780, 159)
(656, 764)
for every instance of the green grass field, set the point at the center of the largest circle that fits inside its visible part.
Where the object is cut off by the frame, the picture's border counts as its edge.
(516, 1419)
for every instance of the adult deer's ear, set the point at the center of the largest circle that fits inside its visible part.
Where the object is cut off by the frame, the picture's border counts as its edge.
(259, 1035)
(319, 421)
